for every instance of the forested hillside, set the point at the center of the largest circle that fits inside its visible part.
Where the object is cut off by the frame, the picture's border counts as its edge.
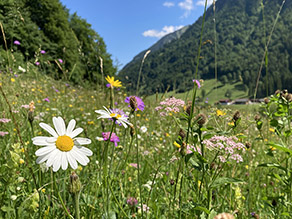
(242, 30)
(46, 35)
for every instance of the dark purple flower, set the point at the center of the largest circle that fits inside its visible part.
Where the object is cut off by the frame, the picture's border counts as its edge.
(132, 201)
(114, 137)
(108, 85)
(16, 42)
(140, 103)
(43, 51)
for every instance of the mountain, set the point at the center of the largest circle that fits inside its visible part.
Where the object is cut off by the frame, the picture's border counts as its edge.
(242, 30)
(163, 42)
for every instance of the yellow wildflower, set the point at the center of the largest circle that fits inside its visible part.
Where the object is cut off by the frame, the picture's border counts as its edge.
(220, 113)
(12, 80)
(113, 83)
(176, 144)
(271, 130)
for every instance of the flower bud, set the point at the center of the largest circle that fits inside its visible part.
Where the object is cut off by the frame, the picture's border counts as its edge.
(133, 103)
(75, 184)
(201, 119)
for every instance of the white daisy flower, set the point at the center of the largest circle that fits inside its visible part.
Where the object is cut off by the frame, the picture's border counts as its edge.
(116, 115)
(63, 147)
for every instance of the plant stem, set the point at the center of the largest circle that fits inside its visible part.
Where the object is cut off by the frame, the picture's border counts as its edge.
(76, 204)
(138, 164)
(60, 198)
(105, 169)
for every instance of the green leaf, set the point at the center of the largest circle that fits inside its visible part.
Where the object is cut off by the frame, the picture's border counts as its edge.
(225, 180)
(6, 208)
(272, 165)
(274, 122)
(195, 164)
(280, 147)
(200, 208)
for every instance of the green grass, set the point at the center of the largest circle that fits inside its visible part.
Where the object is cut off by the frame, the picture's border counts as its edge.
(209, 86)
(169, 180)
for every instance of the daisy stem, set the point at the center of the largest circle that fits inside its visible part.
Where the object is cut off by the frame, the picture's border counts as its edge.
(59, 196)
(138, 165)
(76, 204)
(105, 169)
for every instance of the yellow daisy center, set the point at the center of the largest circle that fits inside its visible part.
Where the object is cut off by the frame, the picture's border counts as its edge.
(116, 116)
(64, 143)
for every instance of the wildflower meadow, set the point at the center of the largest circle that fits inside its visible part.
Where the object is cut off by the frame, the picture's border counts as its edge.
(72, 151)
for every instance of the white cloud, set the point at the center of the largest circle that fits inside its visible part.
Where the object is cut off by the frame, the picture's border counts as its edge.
(202, 2)
(165, 30)
(168, 4)
(187, 6)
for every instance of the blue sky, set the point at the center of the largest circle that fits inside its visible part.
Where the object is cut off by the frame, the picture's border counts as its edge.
(131, 26)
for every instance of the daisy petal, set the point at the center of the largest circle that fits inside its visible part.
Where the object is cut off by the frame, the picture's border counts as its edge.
(76, 132)
(59, 125)
(64, 161)
(82, 141)
(52, 157)
(57, 162)
(78, 157)
(85, 151)
(62, 125)
(49, 129)
(72, 160)
(42, 159)
(71, 126)
(44, 150)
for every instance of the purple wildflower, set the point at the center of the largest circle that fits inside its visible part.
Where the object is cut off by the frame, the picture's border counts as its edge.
(16, 42)
(140, 103)
(37, 63)
(60, 60)
(43, 51)
(47, 99)
(132, 202)
(114, 137)
(3, 133)
(4, 120)
(108, 85)
(197, 82)
(134, 165)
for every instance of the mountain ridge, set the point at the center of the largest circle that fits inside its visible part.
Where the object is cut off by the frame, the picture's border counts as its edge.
(240, 45)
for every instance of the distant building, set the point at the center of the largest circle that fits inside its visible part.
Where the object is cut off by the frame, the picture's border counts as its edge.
(242, 101)
(225, 102)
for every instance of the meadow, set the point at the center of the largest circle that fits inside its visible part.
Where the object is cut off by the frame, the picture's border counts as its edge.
(169, 161)
(71, 151)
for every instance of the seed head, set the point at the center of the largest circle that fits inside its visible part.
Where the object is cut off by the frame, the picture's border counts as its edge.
(133, 103)
(257, 117)
(266, 100)
(201, 119)
(182, 134)
(236, 116)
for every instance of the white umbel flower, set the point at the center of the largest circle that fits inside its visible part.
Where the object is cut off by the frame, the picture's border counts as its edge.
(113, 114)
(63, 147)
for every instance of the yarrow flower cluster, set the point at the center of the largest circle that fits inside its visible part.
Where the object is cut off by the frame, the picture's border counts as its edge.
(227, 145)
(4, 120)
(3, 133)
(140, 103)
(170, 105)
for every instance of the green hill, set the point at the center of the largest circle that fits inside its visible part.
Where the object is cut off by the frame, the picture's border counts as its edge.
(44, 33)
(242, 29)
